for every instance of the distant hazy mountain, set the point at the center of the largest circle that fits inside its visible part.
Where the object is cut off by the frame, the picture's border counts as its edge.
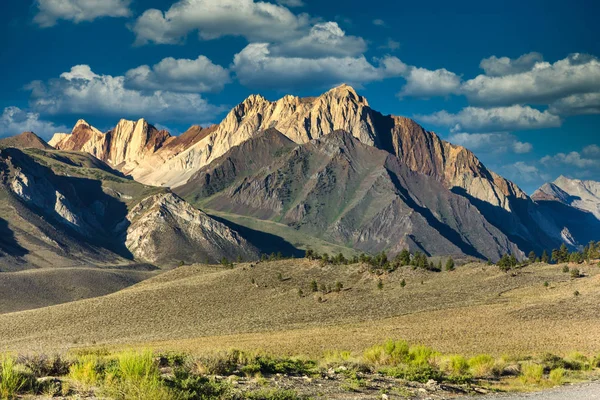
(584, 195)
(574, 205)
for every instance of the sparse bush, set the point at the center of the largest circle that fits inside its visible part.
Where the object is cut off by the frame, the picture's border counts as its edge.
(565, 269)
(557, 376)
(403, 283)
(546, 284)
(575, 273)
(12, 381)
(483, 366)
(380, 284)
(450, 265)
(531, 373)
(87, 371)
(136, 376)
(314, 286)
(457, 367)
(42, 365)
(338, 286)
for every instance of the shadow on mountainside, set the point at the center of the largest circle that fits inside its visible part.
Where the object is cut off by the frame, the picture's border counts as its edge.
(446, 231)
(521, 218)
(96, 212)
(583, 225)
(266, 243)
(8, 243)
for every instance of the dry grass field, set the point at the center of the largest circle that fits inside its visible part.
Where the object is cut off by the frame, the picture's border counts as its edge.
(198, 309)
(36, 288)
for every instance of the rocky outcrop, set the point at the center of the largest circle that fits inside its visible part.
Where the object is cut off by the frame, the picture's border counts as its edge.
(164, 229)
(122, 147)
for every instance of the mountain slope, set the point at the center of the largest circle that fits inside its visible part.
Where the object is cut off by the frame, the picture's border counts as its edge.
(583, 195)
(61, 209)
(574, 205)
(341, 190)
(25, 140)
(301, 120)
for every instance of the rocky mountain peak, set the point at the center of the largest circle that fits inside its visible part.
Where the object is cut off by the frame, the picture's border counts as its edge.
(83, 124)
(345, 92)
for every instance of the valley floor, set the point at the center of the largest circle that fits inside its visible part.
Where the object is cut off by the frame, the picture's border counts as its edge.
(474, 309)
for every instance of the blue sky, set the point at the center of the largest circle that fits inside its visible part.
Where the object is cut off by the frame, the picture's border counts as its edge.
(517, 82)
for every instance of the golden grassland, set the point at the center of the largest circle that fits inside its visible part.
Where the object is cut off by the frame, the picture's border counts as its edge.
(197, 309)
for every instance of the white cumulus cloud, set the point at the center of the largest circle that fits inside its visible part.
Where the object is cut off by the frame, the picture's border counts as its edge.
(421, 82)
(323, 39)
(496, 142)
(493, 119)
(255, 66)
(544, 83)
(179, 75)
(50, 11)
(15, 120)
(81, 91)
(501, 66)
(256, 21)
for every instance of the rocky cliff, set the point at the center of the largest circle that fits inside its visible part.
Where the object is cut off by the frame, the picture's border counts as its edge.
(123, 147)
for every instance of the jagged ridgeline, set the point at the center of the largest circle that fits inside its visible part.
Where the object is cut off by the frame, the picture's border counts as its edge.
(333, 169)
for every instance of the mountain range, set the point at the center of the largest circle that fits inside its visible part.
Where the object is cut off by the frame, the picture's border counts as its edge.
(329, 167)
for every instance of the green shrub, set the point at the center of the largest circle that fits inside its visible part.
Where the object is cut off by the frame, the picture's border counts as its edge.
(557, 376)
(12, 381)
(579, 362)
(420, 355)
(194, 387)
(87, 371)
(531, 373)
(374, 355)
(483, 366)
(136, 376)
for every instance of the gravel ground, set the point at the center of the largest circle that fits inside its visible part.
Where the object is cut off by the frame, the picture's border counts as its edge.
(586, 391)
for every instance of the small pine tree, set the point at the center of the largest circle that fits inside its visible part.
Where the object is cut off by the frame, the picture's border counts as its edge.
(545, 258)
(564, 253)
(323, 288)
(338, 286)
(314, 287)
(403, 283)
(403, 258)
(380, 284)
(450, 264)
(532, 256)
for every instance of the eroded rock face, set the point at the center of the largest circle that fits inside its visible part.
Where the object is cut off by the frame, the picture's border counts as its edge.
(165, 229)
(123, 147)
